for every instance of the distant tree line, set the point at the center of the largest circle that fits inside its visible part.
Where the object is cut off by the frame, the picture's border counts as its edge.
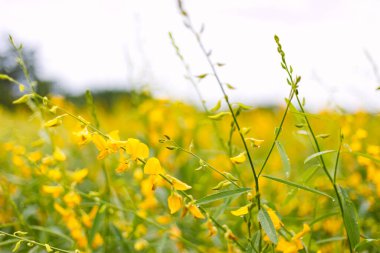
(9, 92)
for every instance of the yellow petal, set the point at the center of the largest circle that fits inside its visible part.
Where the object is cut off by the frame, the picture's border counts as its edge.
(79, 175)
(59, 155)
(174, 202)
(255, 142)
(194, 210)
(102, 154)
(178, 184)
(123, 166)
(99, 142)
(54, 122)
(53, 190)
(153, 167)
(238, 159)
(136, 149)
(273, 216)
(306, 229)
(241, 211)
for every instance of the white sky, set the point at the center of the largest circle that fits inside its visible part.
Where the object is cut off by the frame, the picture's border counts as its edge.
(125, 43)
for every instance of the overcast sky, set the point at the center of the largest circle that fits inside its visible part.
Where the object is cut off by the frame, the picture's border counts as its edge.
(124, 43)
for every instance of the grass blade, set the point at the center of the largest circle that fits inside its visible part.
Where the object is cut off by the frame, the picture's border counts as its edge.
(267, 225)
(366, 243)
(284, 158)
(303, 187)
(350, 218)
(222, 195)
(311, 157)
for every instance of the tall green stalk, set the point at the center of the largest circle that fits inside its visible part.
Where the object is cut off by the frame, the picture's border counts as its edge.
(332, 180)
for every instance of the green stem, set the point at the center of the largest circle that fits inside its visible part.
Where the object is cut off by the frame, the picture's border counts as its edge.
(208, 165)
(278, 131)
(36, 243)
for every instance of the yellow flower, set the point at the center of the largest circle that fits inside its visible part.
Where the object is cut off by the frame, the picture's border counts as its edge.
(174, 202)
(82, 137)
(255, 142)
(55, 190)
(54, 174)
(153, 167)
(79, 175)
(178, 184)
(141, 244)
(97, 241)
(72, 199)
(241, 211)
(295, 244)
(87, 219)
(59, 155)
(123, 166)
(136, 149)
(55, 122)
(240, 158)
(35, 156)
(194, 210)
(211, 228)
(101, 145)
(273, 216)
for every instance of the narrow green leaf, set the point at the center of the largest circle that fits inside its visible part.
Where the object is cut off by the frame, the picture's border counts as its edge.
(366, 243)
(53, 232)
(219, 115)
(97, 223)
(222, 195)
(229, 86)
(303, 187)
(350, 218)
(284, 158)
(267, 225)
(311, 157)
(17, 246)
(331, 239)
(216, 107)
(256, 241)
(202, 76)
(323, 217)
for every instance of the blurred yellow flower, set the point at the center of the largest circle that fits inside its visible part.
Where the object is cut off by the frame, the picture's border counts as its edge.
(195, 211)
(240, 158)
(54, 190)
(72, 199)
(273, 216)
(59, 155)
(174, 202)
(295, 244)
(178, 184)
(153, 167)
(79, 175)
(141, 244)
(136, 149)
(241, 211)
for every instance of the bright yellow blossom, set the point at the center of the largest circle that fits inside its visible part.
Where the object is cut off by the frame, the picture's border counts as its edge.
(136, 149)
(194, 210)
(178, 184)
(240, 158)
(153, 167)
(72, 199)
(241, 211)
(174, 202)
(55, 190)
